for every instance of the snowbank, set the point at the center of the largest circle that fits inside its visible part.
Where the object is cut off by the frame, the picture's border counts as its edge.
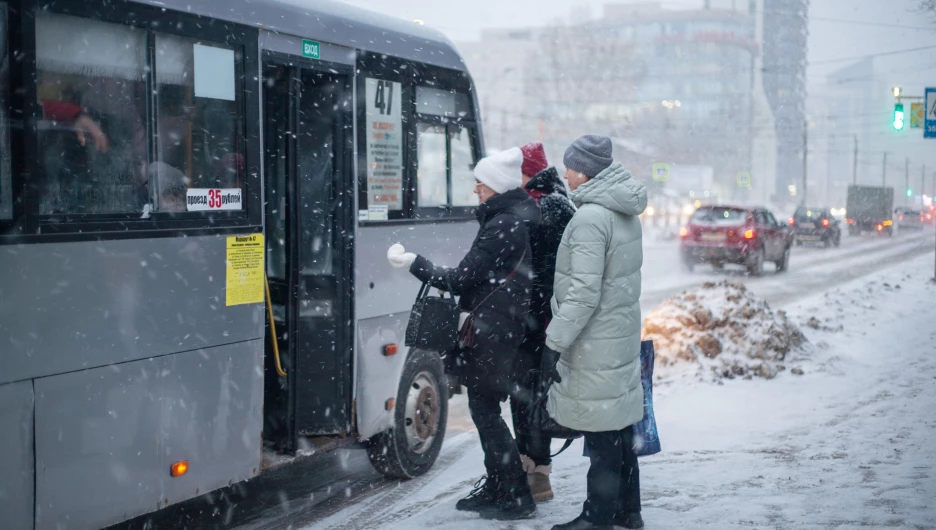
(721, 331)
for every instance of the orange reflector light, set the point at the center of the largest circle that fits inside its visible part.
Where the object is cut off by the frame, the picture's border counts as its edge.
(683, 232)
(749, 234)
(390, 349)
(179, 468)
(389, 404)
(888, 222)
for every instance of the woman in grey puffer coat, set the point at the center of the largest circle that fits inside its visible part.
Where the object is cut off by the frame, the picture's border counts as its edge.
(592, 352)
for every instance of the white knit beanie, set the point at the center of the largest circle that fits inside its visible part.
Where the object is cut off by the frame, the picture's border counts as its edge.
(501, 171)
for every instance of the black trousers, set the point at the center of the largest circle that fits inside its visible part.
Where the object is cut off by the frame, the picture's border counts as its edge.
(613, 478)
(501, 458)
(530, 441)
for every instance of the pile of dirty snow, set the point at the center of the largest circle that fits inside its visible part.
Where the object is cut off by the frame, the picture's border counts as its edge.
(723, 331)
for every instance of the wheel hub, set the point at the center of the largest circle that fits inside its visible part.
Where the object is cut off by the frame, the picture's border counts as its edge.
(423, 407)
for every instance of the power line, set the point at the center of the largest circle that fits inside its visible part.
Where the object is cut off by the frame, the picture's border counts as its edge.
(872, 55)
(869, 23)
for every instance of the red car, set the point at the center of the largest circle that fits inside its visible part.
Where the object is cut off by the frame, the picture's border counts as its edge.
(735, 234)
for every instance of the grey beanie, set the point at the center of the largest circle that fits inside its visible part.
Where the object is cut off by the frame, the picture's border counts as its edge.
(589, 155)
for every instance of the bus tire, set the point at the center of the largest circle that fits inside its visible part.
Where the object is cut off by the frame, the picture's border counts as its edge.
(411, 447)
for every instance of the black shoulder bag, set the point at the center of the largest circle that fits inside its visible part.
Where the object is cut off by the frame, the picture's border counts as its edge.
(539, 418)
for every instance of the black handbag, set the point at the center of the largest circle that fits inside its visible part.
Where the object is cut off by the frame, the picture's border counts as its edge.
(538, 416)
(433, 322)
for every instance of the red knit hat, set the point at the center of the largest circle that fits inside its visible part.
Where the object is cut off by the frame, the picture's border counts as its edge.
(534, 159)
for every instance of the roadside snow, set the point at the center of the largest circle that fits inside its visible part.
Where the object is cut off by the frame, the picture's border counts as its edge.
(721, 330)
(849, 444)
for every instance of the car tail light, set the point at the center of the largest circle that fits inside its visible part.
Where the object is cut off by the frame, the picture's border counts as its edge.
(749, 234)
(901, 218)
(825, 222)
(880, 228)
(850, 221)
(929, 216)
(683, 231)
(791, 222)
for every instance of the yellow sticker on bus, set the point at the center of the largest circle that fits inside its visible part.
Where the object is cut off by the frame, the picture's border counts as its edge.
(244, 279)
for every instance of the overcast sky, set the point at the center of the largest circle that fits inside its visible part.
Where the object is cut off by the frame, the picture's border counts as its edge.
(839, 29)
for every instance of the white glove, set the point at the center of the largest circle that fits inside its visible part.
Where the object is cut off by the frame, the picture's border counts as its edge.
(399, 258)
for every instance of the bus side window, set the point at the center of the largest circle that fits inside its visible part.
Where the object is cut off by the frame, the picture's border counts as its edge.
(462, 164)
(199, 125)
(431, 174)
(445, 153)
(92, 94)
(96, 155)
(445, 160)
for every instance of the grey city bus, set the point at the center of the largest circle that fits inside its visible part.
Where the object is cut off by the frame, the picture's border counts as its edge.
(167, 169)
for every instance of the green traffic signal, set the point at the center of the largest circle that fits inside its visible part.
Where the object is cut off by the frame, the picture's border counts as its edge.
(898, 116)
(909, 192)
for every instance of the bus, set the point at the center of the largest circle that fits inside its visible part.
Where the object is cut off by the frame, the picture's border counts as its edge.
(196, 199)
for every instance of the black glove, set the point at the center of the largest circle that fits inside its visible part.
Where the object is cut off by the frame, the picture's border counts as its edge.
(548, 366)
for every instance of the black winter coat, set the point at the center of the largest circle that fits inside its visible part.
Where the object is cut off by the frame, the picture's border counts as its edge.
(556, 211)
(500, 309)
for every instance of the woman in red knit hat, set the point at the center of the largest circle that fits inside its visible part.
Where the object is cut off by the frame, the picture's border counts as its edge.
(543, 184)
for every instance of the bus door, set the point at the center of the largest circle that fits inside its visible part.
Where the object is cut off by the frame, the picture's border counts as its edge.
(309, 224)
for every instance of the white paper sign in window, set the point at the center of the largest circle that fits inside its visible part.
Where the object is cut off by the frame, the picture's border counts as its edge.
(214, 72)
(208, 199)
(384, 144)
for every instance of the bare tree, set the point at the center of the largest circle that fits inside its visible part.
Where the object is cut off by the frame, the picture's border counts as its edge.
(928, 6)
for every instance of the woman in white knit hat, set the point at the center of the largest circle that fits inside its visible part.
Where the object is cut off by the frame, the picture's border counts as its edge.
(494, 283)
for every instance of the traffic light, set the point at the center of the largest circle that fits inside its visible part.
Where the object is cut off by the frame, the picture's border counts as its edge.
(898, 116)
(909, 192)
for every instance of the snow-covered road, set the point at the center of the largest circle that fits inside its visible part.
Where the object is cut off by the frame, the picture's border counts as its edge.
(847, 445)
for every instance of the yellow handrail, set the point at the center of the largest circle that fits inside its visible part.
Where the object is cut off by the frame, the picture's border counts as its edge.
(269, 304)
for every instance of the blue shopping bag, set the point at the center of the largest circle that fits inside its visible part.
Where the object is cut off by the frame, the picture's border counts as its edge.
(646, 437)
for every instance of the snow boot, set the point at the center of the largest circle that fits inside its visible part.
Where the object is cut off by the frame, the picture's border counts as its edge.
(580, 523)
(483, 495)
(539, 483)
(513, 501)
(631, 520)
(538, 478)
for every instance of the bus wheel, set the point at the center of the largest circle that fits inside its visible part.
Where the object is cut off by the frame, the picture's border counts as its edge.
(411, 447)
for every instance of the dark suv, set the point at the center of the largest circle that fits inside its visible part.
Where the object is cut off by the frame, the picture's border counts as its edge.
(817, 225)
(735, 234)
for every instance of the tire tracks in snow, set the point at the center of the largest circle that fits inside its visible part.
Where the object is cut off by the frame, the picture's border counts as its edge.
(379, 505)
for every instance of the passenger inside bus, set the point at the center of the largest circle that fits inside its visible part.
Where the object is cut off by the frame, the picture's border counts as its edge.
(172, 185)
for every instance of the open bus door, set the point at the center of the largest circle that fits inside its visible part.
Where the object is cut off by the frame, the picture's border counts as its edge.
(309, 223)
